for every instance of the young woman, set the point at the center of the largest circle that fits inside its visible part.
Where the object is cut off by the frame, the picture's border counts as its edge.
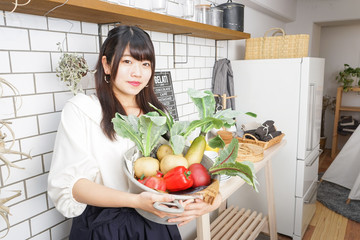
(86, 181)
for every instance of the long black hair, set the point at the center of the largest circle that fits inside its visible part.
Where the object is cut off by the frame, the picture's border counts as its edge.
(141, 48)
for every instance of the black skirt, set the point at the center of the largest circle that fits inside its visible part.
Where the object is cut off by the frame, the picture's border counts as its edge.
(97, 223)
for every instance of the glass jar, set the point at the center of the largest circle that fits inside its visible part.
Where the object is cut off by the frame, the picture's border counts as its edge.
(159, 6)
(202, 13)
(188, 9)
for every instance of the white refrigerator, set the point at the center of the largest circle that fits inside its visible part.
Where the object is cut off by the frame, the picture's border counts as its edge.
(288, 91)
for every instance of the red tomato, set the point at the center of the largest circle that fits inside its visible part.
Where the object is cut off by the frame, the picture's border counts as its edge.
(200, 175)
(156, 183)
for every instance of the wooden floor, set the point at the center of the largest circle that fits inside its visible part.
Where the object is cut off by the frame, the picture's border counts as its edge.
(326, 224)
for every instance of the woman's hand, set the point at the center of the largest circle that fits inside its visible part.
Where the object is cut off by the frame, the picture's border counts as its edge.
(196, 208)
(147, 199)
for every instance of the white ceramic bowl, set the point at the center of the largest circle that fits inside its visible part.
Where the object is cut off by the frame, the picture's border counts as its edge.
(136, 187)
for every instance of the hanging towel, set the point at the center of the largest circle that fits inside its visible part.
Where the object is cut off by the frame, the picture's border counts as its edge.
(223, 82)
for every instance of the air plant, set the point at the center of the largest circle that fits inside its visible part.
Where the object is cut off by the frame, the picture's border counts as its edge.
(5, 211)
(12, 88)
(71, 69)
(4, 150)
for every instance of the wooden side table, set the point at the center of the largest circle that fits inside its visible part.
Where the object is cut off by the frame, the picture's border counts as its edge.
(228, 187)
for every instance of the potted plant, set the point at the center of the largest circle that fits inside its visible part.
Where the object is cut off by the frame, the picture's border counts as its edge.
(71, 69)
(348, 76)
(327, 103)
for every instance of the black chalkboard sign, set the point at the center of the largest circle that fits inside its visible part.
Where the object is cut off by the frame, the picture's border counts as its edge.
(165, 92)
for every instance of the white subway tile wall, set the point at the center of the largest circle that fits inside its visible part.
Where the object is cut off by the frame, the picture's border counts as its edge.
(45, 221)
(36, 185)
(16, 147)
(9, 191)
(7, 108)
(14, 39)
(64, 25)
(36, 104)
(47, 161)
(37, 38)
(19, 231)
(2, 20)
(29, 57)
(30, 62)
(42, 236)
(5, 63)
(61, 231)
(30, 168)
(81, 43)
(23, 82)
(28, 209)
(49, 122)
(23, 127)
(89, 28)
(25, 21)
(48, 82)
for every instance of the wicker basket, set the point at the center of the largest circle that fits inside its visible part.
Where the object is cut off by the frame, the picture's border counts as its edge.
(262, 144)
(285, 46)
(250, 152)
(226, 136)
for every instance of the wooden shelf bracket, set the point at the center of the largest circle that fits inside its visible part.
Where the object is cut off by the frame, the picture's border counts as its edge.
(174, 48)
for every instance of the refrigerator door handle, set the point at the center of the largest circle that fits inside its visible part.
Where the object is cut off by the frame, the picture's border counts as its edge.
(310, 129)
(314, 159)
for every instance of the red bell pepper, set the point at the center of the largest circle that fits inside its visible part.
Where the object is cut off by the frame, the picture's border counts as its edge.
(178, 178)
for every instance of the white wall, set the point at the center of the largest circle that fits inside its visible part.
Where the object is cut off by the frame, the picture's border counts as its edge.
(339, 45)
(29, 56)
(310, 12)
(333, 28)
(255, 23)
(284, 10)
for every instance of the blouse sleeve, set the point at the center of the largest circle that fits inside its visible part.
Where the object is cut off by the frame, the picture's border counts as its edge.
(71, 161)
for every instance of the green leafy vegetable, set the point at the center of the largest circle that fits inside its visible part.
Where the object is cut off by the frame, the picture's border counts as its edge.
(216, 141)
(169, 118)
(144, 131)
(226, 164)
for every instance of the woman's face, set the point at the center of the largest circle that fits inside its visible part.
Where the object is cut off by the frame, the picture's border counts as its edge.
(132, 76)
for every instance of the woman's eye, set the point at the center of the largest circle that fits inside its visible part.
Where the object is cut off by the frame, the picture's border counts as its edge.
(146, 64)
(126, 61)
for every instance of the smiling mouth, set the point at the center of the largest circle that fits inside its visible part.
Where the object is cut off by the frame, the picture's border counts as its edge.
(134, 83)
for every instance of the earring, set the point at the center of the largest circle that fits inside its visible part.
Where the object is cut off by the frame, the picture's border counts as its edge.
(107, 81)
(147, 85)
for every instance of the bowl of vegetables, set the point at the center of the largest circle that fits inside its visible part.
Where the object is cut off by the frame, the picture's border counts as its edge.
(180, 180)
(168, 166)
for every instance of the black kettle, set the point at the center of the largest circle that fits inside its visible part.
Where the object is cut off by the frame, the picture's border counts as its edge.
(233, 16)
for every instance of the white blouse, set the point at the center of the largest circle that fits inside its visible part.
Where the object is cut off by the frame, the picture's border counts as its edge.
(83, 151)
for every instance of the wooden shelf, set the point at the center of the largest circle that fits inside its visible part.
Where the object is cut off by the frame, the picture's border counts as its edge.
(238, 224)
(338, 108)
(352, 109)
(97, 11)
